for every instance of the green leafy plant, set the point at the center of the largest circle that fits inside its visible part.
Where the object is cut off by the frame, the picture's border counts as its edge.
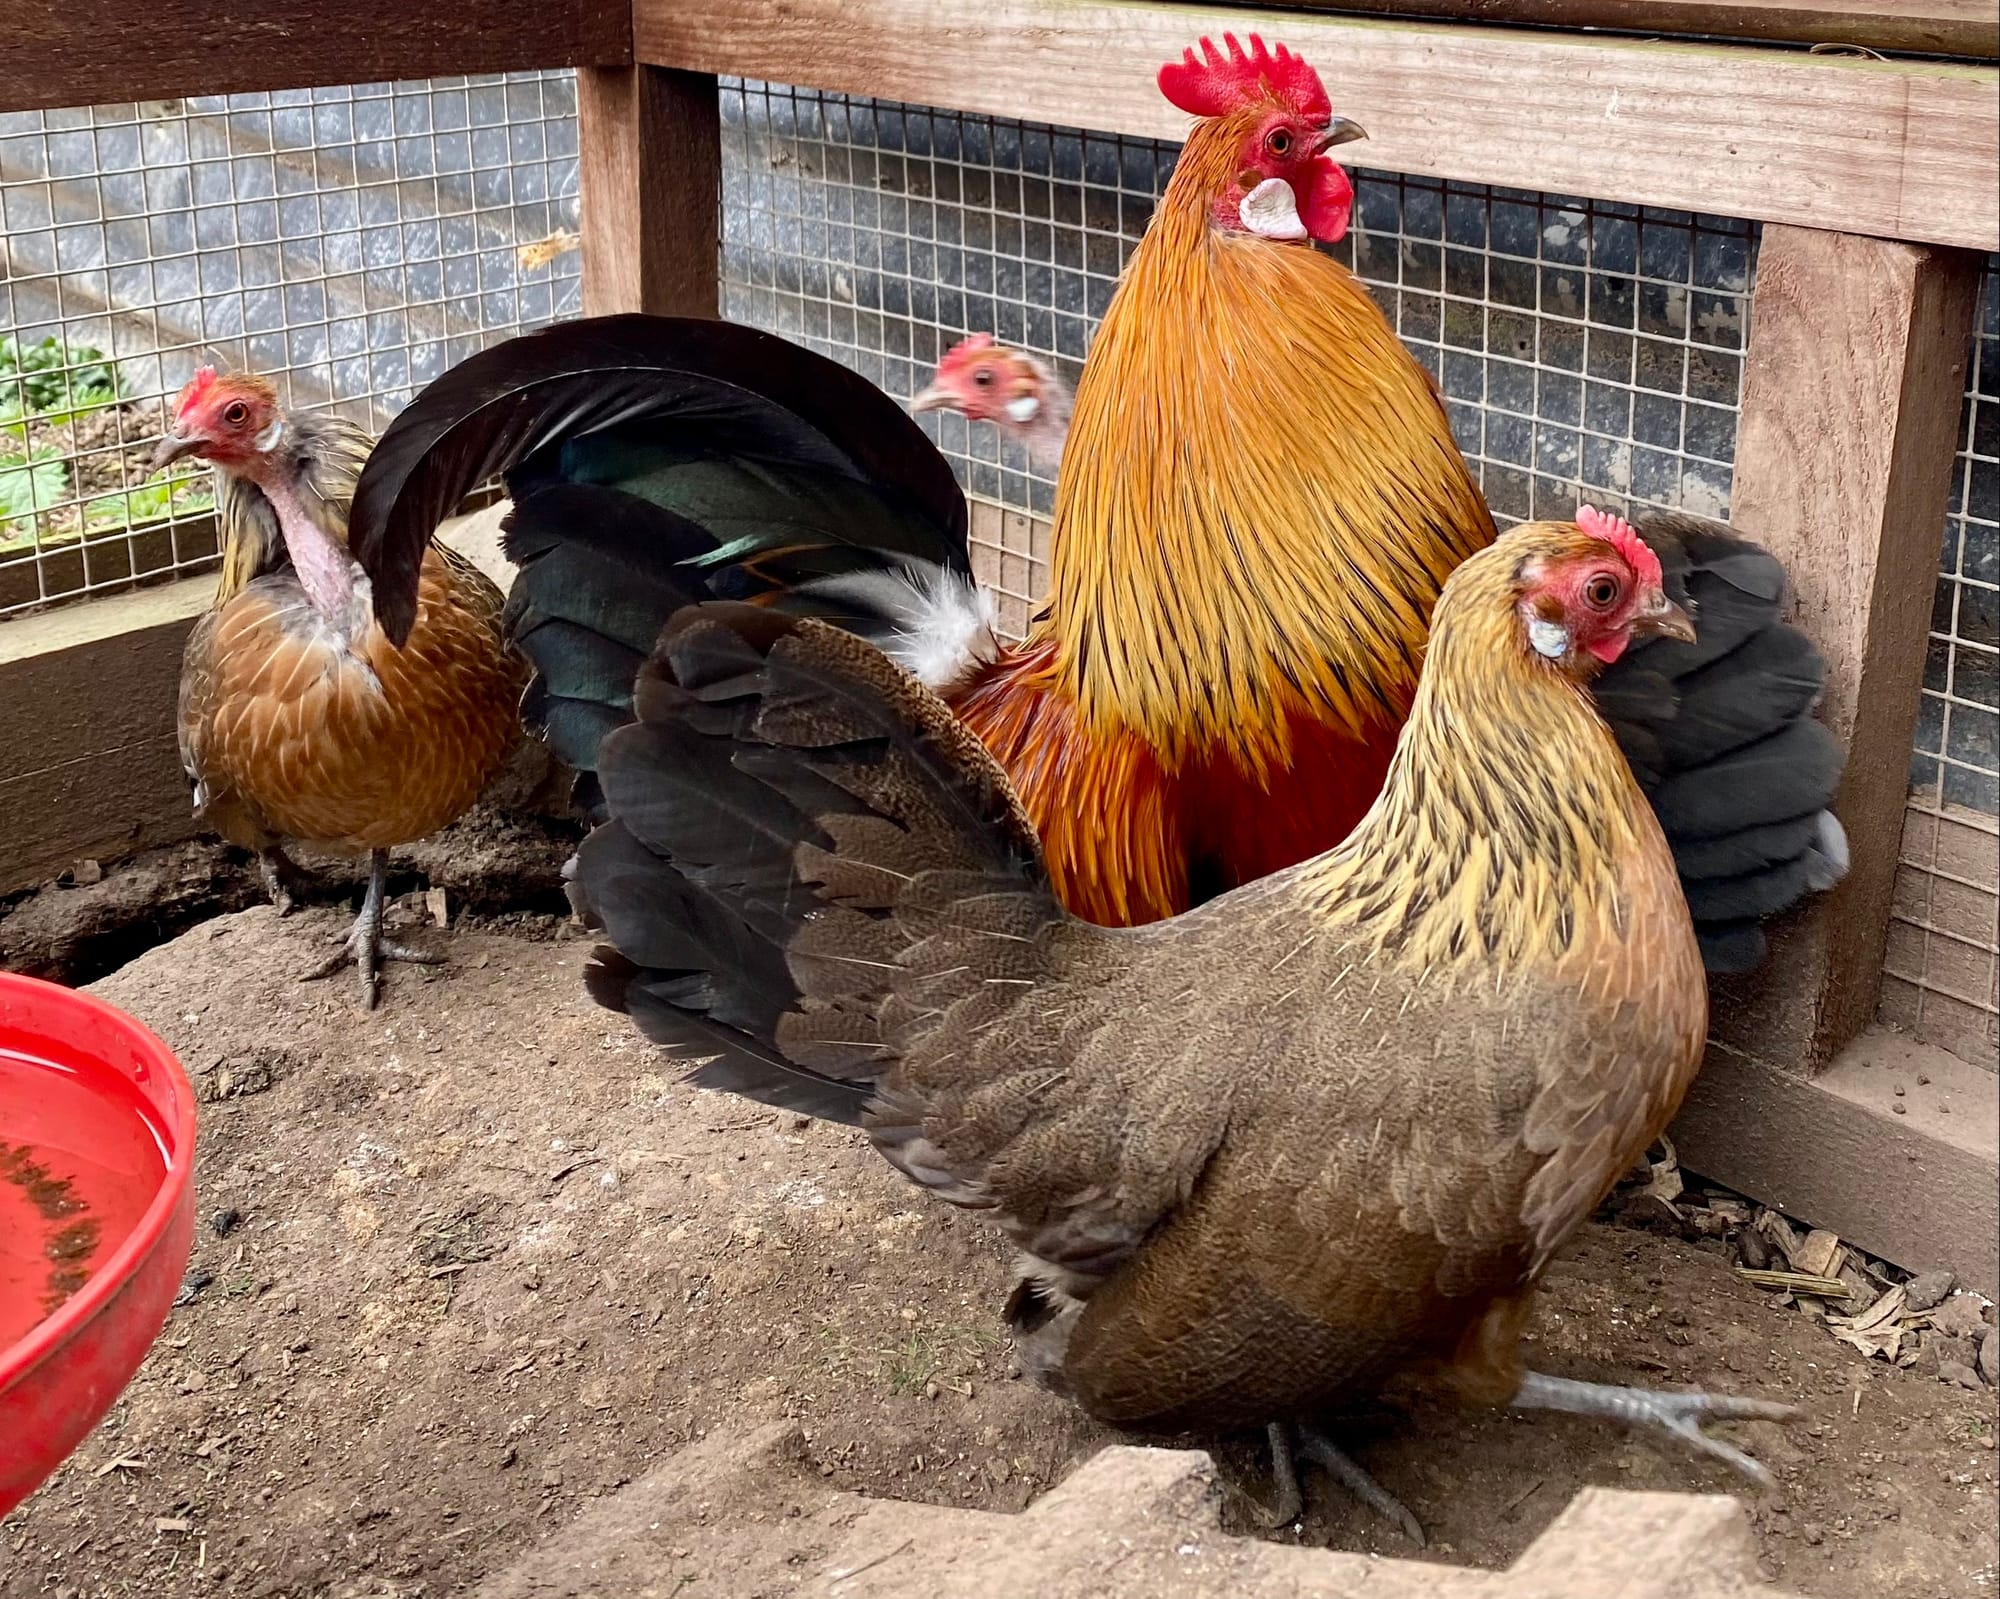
(150, 502)
(53, 381)
(31, 484)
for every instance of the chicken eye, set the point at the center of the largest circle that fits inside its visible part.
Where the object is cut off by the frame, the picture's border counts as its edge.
(983, 378)
(236, 414)
(1279, 142)
(1602, 591)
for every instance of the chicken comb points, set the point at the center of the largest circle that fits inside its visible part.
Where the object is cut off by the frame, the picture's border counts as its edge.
(195, 387)
(1215, 84)
(961, 353)
(1620, 535)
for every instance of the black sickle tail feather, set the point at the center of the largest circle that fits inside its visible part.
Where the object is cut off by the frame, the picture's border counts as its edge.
(1721, 736)
(654, 462)
(790, 818)
(791, 467)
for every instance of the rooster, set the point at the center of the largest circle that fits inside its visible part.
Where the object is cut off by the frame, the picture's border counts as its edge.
(1259, 503)
(298, 720)
(1341, 488)
(1260, 1158)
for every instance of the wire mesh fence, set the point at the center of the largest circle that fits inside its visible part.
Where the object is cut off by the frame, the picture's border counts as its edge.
(1942, 974)
(349, 243)
(353, 243)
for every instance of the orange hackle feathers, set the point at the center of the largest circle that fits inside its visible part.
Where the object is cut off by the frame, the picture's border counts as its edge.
(1206, 592)
(1254, 628)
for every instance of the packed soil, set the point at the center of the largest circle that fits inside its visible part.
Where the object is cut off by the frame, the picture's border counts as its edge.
(470, 1261)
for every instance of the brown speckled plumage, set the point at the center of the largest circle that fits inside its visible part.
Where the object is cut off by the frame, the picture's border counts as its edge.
(1262, 1156)
(292, 729)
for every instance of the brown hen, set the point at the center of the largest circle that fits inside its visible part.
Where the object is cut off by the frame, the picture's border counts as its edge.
(298, 719)
(1263, 1157)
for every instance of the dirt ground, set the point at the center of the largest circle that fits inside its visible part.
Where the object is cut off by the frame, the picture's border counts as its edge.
(472, 1260)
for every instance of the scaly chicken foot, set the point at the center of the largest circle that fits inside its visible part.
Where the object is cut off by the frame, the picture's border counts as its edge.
(1338, 1465)
(1680, 1414)
(284, 883)
(364, 945)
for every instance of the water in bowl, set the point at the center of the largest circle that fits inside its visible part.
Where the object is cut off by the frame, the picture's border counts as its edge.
(81, 1158)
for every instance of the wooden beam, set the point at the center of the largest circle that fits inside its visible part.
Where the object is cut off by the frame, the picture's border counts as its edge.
(88, 763)
(1967, 28)
(1900, 149)
(1852, 386)
(650, 164)
(89, 52)
(1893, 1149)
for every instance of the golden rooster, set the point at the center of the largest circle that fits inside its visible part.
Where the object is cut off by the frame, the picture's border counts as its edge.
(1260, 1158)
(298, 719)
(1262, 492)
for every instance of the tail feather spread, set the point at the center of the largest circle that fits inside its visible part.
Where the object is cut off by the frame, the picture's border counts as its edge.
(807, 859)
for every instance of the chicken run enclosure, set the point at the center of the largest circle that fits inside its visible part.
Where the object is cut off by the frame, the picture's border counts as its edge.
(1680, 262)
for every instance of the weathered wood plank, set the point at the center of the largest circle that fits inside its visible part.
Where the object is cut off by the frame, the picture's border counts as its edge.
(1851, 393)
(1968, 28)
(1917, 1188)
(1897, 149)
(650, 166)
(88, 762)
(88, 52)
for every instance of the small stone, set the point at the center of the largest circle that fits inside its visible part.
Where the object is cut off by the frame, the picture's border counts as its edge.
(1989, 1355)
(508, 1456)
(1957, 1372)
(1813, 1533)
(1753, 1249)
(1898, 1109)
(226, 1222)
(1923, 1081)
(552, 1477)
(1927, 1290)
(87, 873)
(1939, 1350)
(1899, 1090)
(1960, 1316)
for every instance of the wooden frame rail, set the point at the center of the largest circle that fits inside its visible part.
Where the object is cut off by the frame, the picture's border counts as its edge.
(1903, 150)
(1968, 28)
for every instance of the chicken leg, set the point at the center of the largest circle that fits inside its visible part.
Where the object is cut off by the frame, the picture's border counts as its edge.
(1680, 1414)
(1340, 1466)
(283, 881)
(364, 945)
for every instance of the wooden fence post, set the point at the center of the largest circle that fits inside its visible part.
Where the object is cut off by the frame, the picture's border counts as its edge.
(650, 161)
(1851, 393)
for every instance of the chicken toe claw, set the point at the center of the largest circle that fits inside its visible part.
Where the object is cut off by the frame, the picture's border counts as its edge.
(1679, 1414)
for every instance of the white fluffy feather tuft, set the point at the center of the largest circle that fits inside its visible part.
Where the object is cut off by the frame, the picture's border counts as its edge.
(942, 624)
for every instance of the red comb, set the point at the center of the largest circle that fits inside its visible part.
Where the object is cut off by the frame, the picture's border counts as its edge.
(1217, 84)
(195, 387)
(963, 351)
(1618, 533)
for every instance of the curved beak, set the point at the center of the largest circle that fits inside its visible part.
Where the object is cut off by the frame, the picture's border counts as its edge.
(1341, 130)
(934, 398)
(1664, 619)
(171, 448)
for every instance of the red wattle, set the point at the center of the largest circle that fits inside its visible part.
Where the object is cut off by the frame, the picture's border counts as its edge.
(1326, 199)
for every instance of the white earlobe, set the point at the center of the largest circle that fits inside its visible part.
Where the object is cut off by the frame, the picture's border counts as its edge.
(1024, 409)
(1549, 638)
(1271, 211)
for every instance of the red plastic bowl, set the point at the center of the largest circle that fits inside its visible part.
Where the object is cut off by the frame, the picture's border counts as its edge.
(96, 1166)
